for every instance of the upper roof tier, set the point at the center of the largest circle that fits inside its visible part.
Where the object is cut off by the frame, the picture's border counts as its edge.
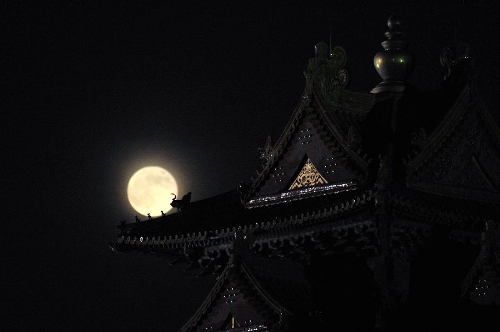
(442, 143)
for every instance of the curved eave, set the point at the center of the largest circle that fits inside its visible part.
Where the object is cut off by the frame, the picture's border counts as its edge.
(270, 220)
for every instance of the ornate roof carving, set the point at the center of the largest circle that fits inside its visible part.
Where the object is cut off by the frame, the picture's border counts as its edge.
(308, 177)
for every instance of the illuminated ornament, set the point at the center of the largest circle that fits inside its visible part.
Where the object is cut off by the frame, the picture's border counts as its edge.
(308, 177)
(394, 63)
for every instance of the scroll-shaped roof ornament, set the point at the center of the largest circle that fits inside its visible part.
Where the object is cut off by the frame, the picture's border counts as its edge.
(450, 58)
(326, 72)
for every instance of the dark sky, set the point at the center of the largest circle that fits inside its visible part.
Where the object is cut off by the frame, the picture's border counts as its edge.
(95, 91)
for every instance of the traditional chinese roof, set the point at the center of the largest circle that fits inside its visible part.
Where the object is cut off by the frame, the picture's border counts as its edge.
(368, 175)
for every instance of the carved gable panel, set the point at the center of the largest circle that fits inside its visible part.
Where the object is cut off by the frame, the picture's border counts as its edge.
(308, 177)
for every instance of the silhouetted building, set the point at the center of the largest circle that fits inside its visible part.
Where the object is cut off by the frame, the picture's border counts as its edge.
(373, 211)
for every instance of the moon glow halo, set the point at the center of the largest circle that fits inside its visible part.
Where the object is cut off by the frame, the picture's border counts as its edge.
(150, 190)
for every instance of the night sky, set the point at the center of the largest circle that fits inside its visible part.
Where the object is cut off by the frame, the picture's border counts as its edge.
(95, 91)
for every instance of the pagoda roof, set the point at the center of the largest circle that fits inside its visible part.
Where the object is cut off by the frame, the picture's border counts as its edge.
(357, 175)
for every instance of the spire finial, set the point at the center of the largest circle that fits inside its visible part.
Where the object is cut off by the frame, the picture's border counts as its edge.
(394, 63)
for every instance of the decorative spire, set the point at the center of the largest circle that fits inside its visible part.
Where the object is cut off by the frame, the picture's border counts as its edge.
(394, 63)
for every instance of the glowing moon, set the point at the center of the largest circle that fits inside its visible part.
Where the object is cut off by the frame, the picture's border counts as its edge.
(150, 190)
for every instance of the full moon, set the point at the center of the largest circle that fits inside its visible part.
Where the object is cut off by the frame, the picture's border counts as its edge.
(150, 190)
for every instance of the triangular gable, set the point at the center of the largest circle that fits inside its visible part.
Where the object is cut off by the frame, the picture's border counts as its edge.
(460, 158)
(484, 287)
(236, 301)
(310, 141)
(309, 138)
(482, 284)
(324, 126)
(308, 177)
